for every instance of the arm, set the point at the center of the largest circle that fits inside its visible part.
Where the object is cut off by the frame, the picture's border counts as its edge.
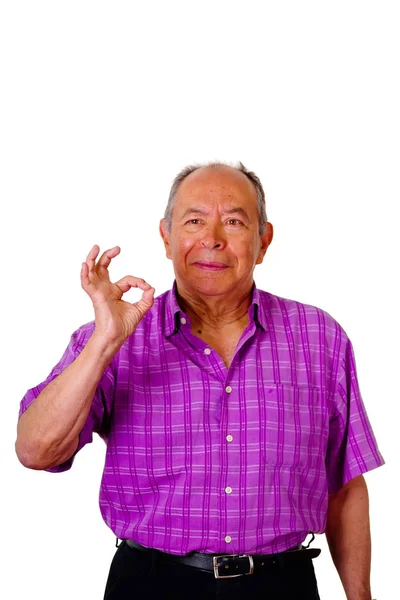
(349, 539)
(48, 431)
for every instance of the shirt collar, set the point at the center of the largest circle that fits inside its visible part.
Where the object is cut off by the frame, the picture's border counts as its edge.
(256, 307)
(174, 314)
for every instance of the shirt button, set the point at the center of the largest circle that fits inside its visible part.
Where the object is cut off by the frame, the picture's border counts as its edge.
(228, 489)
(183, 320)
(228, 539)
(229, 438)
(228, 389)
(207, 351)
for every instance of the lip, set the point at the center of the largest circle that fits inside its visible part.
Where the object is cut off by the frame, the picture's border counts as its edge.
(210, 266)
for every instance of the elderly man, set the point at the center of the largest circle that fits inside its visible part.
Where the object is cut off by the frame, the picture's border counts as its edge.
(233, 418)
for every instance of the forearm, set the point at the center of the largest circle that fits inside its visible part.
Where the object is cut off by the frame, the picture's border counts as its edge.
(349, 539)
(48, 431)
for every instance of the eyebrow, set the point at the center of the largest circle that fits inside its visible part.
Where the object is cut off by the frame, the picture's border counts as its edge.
(201, 211)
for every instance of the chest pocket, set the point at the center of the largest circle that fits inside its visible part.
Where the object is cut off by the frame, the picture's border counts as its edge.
(296, 426)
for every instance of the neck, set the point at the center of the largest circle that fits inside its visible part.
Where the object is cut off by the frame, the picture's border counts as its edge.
(215, 312)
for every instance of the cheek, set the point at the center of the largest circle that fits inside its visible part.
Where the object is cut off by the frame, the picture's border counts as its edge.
(246, 252)
(181, 248)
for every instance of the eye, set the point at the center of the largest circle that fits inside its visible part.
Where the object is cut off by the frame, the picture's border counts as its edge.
(234, 222)
(193, 221)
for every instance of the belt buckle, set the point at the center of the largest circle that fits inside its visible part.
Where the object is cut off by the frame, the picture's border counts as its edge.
(216, 566)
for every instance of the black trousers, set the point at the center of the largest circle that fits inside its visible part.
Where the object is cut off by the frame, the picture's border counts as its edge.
(136, 574)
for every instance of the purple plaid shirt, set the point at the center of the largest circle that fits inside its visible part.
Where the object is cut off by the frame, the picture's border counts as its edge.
(238, 460)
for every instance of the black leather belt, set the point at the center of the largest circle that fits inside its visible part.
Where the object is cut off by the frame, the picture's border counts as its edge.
(234, 565)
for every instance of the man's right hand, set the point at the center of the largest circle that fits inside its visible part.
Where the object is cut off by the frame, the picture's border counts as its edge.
(115, 319)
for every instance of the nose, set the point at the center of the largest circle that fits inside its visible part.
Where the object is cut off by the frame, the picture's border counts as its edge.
(213, 238)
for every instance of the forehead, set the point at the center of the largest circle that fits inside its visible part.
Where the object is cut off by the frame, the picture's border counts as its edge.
(209, 185)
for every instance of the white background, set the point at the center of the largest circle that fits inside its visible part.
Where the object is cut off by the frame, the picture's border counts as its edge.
(101, 104)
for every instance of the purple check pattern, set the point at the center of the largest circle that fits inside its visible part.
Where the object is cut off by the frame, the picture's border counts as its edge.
(238, 460)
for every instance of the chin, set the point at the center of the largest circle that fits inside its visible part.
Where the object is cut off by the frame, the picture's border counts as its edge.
(207, 284)
(211, 288)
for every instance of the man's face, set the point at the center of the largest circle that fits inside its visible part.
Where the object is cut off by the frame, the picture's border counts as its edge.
(214, 242)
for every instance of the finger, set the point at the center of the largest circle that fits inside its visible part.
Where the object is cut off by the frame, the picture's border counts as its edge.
(91, 257)
(147, 299)
(128, 282)
(85, 282)
(107, 256)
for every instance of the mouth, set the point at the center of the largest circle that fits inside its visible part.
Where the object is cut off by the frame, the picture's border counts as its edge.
(210, 266)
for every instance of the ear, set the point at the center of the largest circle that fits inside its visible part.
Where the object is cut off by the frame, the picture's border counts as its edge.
(165, 235)
(266, 239)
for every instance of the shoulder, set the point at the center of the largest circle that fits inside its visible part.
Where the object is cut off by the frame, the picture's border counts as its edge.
(301, 317)
(278, 305)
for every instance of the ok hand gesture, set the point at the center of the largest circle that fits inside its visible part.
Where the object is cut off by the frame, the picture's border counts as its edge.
(115, 319)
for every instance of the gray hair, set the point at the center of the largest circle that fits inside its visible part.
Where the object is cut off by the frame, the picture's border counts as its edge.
(262, 215)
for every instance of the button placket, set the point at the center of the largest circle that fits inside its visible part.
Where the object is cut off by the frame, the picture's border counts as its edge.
(228, 489)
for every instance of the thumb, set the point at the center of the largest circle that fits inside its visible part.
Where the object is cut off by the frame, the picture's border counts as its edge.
(146, 301)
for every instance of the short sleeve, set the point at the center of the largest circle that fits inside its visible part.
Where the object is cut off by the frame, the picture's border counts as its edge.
(352, 447)
(98, 417)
